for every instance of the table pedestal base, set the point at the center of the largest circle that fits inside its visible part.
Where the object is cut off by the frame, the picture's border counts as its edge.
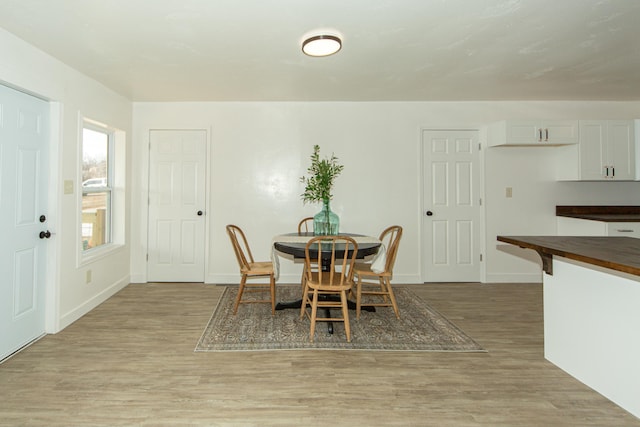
(298, 304)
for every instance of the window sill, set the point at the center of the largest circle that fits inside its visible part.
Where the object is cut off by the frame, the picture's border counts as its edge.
(95, 254)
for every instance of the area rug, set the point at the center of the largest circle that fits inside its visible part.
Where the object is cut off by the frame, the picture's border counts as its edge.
(420, 328)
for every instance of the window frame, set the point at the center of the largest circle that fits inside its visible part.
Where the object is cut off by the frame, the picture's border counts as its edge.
(115, 221)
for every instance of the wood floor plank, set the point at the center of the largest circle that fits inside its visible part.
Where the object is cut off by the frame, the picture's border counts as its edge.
(130, 362)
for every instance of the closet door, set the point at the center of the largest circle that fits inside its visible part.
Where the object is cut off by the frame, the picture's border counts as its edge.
(177, 193)
(451, 204)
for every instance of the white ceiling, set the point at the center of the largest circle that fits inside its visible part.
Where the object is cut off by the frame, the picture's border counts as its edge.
(393, 50)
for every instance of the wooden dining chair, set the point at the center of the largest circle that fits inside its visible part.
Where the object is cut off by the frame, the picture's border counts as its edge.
(328, 282)
(377, 285)
(249, 269)
(305, 225)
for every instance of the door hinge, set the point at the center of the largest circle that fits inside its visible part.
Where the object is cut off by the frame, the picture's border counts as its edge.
(480, 202)
(147, 257)
(479, 146)
(480, 257)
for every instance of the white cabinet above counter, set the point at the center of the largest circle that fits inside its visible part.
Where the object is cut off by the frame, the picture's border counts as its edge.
(532, 133)
(607, 151)
(584, 150)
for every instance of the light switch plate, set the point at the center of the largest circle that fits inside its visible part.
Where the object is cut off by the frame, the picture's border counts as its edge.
(509, 192)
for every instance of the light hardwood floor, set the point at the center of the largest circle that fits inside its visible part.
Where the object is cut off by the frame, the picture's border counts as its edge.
(130, 362)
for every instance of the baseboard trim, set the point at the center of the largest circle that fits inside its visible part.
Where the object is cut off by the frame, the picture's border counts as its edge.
(514, 278)
(75, 314)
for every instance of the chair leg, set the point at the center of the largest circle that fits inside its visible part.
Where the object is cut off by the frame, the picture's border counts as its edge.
(303, 279)
(272, 283)
(383, 288)
(240, 291)
(314, 312)
(358, 297)
(305, 299)
(345, 315)
(392, 297)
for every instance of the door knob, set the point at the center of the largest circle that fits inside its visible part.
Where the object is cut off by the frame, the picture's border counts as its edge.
(199, 213)
(429, 213)
(43, 218)
(45, 234)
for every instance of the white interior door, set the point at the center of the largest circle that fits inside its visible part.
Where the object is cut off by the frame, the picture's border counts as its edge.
(177, 173)
(24, 136)
(451, 214)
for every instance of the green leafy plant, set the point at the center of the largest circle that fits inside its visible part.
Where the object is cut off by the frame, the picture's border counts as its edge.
(322, 173)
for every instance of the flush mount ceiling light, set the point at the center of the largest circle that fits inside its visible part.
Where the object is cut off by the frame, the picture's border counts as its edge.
(321, 45)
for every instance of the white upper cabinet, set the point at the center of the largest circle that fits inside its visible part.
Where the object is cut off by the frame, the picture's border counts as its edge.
(532, 133)
(606, 151)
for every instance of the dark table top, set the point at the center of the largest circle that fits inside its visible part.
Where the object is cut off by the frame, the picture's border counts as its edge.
(616, 253)
(297, 248)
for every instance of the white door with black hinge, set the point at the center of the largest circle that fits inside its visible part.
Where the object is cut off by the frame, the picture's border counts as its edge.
(177, 193)
(451, 204)
(24, 139)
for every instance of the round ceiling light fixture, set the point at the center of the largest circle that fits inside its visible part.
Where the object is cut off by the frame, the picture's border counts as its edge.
(321, 45)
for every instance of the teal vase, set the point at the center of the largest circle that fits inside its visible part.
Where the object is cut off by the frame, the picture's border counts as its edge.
(326, 222)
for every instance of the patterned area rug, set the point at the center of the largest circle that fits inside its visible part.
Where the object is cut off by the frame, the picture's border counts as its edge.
(420, 328)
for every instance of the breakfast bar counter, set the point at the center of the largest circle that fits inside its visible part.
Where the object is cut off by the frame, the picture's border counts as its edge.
(601, 213)
(592, 310)
(616, 253)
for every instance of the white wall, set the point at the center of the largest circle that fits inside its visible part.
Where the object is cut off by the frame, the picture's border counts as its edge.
(71, 94)
(258, 151)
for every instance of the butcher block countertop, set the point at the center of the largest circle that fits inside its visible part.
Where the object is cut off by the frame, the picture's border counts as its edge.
(601, 213)
(616, 253)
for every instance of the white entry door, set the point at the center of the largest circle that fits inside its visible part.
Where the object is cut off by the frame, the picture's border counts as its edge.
(24, 138)
(177, 172)
(451, 211)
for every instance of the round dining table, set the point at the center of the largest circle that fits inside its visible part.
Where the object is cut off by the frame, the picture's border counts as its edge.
(296, 247)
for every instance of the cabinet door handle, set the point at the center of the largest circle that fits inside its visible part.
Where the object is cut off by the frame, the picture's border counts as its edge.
(624, 230)
(546, 134)
(613, 172)
(539, 135)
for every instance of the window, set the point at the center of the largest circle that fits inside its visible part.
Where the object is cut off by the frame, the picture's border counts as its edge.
(97, 186)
